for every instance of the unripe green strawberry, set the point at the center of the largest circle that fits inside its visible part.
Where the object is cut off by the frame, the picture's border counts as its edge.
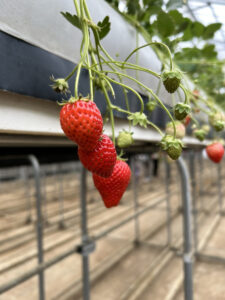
(181, 110)
(219, 125)
(150, 105)
(125, 139)
(171, 80)
(172, 146)
(200, 134)
(180, 129)
(206, 128)
(217, 120)
(174, 151)
(59, 85)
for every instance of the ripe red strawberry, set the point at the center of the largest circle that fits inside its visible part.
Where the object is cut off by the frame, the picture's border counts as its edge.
(102, 159)
(196, 94)
(113, 187)
(82, 123)
(215, 151)
(187, 120)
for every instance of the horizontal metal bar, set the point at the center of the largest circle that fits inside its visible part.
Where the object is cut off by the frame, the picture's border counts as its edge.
(210, 258)
(104, 233)
(35, 271)
(211, 1)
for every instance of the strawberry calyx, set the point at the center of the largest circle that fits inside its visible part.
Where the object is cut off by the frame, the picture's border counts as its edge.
(139, 118)
(125, 139)
(119, 157)
(81, 98)
(171, 80)
(73, 100)
(60, 85)
(181, 110)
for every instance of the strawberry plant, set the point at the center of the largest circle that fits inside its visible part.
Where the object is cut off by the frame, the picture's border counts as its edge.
(80, 118)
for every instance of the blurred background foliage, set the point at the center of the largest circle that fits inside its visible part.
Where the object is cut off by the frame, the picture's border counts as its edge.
(190, 41)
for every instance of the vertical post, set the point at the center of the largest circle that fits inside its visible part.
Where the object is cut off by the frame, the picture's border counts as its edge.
(187, 232)
(28, 196)
(36, 169)
(44, 196)
(60, 199)
(135, 199)
(193, 186)
(85, 258)
(201, 171)
(220, 196)
(167, 184)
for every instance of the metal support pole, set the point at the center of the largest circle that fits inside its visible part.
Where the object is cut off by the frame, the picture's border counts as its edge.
(60, 199)
(135, 198)
(85, 258)
(220, 196)
(44, 195)
(193, 186)
(25, 176)
(201, 171)
(167, 184)
(36, 169)
(187, 232)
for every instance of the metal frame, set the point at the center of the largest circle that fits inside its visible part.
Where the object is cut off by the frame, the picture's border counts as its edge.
(187, 230)
(88, 245)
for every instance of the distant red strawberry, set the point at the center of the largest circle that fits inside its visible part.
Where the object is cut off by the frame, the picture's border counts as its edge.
(196, 94)
(102, 159)
(215, 151)
(113, 187)
(82, 123)
(187, 120)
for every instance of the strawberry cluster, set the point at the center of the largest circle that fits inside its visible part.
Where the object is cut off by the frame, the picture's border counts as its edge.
(82, 123)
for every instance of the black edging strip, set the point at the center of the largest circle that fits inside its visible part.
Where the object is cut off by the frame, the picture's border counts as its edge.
(25, 69)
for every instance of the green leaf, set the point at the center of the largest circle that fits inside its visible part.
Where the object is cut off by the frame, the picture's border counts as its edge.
(104, 27)
(174, 4)
(133, 7)
(180, 22)
(197, 29)
(150, 3)
(177, 16)
(188, 34)
(73, 19)
(165, 24)
(209, 51)
(210, 30)
(114, 2)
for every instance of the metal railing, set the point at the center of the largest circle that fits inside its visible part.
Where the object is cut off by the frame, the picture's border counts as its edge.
(87, 244)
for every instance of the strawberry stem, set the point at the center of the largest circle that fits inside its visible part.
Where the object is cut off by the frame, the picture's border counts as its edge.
(149, 44)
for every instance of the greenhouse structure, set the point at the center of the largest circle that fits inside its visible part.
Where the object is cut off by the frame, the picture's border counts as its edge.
(112, 134)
